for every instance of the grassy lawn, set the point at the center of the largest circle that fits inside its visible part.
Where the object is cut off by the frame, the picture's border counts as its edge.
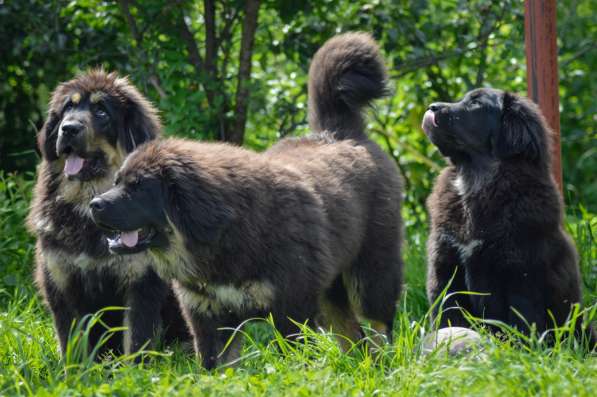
(30, 363)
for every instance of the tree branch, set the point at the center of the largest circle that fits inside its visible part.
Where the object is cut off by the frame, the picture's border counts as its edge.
(432, 59)
(483, 38)
(383, 124)
(211, 51)
(582, 50)
(191, 44)
(425, 61)
(225, 41)
(206, 69)
(210, 38)
(154, 78)
(244, 71)
(289, 115)
(226, 32)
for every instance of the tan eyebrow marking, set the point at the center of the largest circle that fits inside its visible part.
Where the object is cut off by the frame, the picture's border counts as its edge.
(97, 96)
(131, 179)
(75, 98)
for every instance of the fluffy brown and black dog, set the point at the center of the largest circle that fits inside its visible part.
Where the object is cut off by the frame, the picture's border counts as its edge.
(309, 228)
(93, 121)
(496, 215)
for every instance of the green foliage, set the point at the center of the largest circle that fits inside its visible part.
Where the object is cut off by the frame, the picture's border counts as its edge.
(582, 226)
(435, 50)
(16, 245)
(578, 61)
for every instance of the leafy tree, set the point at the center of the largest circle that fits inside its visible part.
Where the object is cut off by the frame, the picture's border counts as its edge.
(236, 70)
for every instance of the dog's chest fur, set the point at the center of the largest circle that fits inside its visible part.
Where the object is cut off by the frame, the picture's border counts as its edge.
(198, 293)
(219, 299)
(464, 235)
(465, 248)
(61, 266)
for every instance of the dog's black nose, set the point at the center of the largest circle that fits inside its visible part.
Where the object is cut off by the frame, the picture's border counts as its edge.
(97, 204)
(434, 107)
(72, 128)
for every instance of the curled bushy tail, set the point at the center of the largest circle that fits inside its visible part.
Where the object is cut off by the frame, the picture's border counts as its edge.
(346, 74)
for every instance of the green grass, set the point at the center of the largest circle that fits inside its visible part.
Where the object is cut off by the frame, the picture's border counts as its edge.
(30, 363)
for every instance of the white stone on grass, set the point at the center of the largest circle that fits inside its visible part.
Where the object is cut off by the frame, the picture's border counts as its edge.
(453, 340)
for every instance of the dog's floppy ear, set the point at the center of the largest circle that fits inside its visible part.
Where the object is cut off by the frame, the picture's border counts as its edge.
(201, 215)
(523, 130)
(47, 136)
(210, 220)
(141, 121)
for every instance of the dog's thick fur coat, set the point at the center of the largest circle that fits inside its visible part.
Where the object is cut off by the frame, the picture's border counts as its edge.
(309, 229)
(75, 272)
(497, 218)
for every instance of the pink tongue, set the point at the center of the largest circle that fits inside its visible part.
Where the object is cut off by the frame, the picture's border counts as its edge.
(432, 117)
(429, 117)
(129, 238)
(73, 164)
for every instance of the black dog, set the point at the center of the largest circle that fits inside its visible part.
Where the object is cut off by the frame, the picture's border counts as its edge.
(308, 230)
(93, 122)
(496, 215)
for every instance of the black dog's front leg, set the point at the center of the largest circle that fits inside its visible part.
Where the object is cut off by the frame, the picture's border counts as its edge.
(144, 300)
(211, 337)
(445, 271)
(63, 316)
(63, 313)
(205, 338)
(526, 301)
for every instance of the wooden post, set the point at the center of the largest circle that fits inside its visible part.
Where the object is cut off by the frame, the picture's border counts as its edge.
(542, 69)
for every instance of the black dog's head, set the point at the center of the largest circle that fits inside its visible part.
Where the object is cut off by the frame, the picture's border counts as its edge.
(488, 123)
(134, 212)
(134, 209)
(160, 196)
(93, 121)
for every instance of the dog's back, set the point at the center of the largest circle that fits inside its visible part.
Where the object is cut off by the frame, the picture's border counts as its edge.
(356, 181)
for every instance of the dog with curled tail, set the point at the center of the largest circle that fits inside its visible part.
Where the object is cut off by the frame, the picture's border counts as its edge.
(308, 231)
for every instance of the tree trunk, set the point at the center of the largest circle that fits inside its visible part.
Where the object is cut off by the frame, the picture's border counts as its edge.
(237, 133)
(542, 70)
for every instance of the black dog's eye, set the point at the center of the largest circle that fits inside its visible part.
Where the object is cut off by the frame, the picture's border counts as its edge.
(101, 113)
(68, 106)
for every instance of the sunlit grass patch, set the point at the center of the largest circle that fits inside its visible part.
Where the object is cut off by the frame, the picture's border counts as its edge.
(314, 364)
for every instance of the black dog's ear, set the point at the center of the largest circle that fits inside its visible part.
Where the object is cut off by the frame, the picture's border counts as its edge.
(201, 215)
(210, 220)
(523, 130)
(47, 137)
(141, 121)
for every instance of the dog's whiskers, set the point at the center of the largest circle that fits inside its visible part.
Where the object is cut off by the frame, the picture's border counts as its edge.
(132, 139)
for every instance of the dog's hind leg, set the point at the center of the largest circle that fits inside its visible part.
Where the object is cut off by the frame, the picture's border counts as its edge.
(373, 284)
(337, 315)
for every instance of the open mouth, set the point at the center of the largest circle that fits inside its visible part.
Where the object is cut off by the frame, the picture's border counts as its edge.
(73, 165)
(130, 242)
(429, 121)
(84, 166)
